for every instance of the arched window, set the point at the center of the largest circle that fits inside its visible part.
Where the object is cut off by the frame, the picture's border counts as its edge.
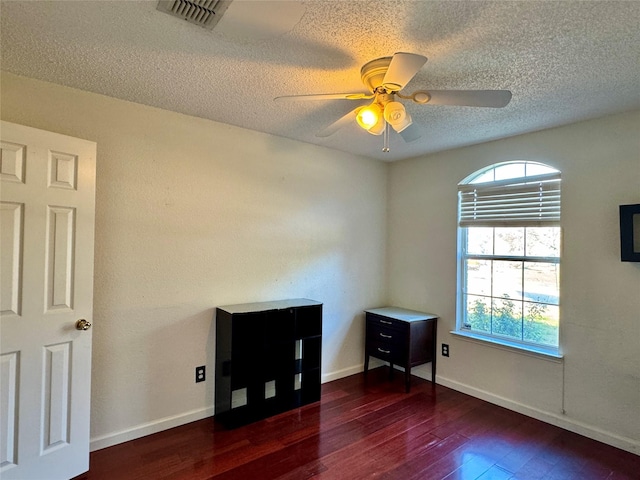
(509, 255)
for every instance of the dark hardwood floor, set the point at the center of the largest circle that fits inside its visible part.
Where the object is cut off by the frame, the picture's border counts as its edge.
(369, 428)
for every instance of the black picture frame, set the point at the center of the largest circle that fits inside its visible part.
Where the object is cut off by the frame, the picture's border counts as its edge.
(630, 233)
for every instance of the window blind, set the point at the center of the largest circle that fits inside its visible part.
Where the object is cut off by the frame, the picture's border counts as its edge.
(523, 202)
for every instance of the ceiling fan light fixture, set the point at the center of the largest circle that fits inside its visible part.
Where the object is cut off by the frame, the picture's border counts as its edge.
(369, 116)
(378, 128)
(396, 115)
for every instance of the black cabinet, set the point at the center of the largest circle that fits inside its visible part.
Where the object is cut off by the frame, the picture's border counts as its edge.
(268, 358)
(401, 337)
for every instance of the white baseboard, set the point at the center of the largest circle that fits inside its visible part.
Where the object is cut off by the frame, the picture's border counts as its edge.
(345, 372)
(580, 428)
(624, 443)
(142, 430)
(145, 429)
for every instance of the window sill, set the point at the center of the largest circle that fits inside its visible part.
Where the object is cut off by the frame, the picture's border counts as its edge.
(531, 351)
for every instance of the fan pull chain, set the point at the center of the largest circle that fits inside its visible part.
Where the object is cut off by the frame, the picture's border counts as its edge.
(385, 138)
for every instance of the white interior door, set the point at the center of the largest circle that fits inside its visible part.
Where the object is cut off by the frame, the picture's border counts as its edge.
(47, 199)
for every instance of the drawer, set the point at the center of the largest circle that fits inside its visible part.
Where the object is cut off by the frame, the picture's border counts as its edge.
(374, 320)
(386, 351)
(387, 336)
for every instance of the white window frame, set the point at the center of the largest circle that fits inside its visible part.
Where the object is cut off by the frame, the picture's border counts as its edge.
(476, 208)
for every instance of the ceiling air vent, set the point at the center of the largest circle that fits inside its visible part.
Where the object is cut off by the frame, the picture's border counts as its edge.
(206, 13)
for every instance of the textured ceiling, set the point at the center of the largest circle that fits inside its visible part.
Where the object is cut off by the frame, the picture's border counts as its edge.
(564, 61)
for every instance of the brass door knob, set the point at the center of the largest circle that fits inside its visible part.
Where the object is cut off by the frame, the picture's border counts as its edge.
(83, 324)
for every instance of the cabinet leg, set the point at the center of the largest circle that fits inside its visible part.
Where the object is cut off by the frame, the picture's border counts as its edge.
(366, 363)
(433, 370)
(434, 351)
(390, 371)
(407, 379)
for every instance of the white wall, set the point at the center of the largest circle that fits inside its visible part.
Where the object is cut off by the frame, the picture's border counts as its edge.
(600, 295)
(192, 214)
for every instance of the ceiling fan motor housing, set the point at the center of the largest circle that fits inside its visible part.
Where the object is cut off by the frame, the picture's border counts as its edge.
(373, 72)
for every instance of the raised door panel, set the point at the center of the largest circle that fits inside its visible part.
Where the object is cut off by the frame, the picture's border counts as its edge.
(12, 233)
(13, 159)
(63, 170)
(60, 258)
(9, 365)
(57, 383)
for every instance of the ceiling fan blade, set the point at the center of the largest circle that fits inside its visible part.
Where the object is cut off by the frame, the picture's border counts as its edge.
(470, 98)
(402, 69)
(411, 133)
(324, 96)
(338, 124)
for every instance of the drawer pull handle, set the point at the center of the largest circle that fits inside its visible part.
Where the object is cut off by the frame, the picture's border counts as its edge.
(385, 336)
(384, 321)
(383, 351)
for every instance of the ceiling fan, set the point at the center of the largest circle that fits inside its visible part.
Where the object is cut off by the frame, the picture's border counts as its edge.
(385, 78)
